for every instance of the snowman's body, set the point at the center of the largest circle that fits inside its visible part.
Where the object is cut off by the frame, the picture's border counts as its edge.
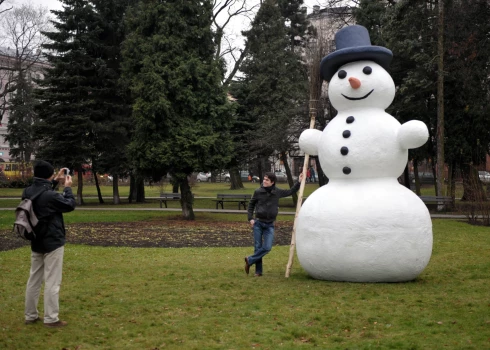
(363, 226)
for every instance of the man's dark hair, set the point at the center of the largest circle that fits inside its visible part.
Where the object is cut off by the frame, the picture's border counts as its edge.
(271, 177)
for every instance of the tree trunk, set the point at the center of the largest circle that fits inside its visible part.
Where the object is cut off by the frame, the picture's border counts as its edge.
(416, 176)
(186, 200)
(99, 194)
(140, 190)
(80, 187)
(260, 169)
(472, 186)
(235, 179)
(322, 178)
(132, 188)
(284, 159)
(115, 190)
(406, 178)
(451, 186)
(440, 103)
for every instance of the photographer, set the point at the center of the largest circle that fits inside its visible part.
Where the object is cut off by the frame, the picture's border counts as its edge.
(48, 247)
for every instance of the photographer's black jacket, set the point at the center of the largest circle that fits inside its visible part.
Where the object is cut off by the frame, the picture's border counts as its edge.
(49, 207)
(266, 203)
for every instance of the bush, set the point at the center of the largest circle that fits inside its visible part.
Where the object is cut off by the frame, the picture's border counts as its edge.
(16, 183)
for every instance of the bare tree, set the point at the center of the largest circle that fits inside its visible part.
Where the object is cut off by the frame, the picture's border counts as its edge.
(228, 45)
(4, 9)
(20, 50)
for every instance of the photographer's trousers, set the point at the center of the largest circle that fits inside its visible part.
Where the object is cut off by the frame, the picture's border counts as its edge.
(47, 267)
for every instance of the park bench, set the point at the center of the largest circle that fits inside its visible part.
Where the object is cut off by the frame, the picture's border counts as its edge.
(241, 199)
(432, 202)
(164, 197)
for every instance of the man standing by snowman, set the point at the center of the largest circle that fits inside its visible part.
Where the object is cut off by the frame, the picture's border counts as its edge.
(265, 203)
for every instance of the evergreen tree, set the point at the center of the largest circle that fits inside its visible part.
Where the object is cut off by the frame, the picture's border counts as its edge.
(181, 114)
(64, 126)
(111, 118)
(21, 119)
(275, 85)
(84, 110)
(409, 29)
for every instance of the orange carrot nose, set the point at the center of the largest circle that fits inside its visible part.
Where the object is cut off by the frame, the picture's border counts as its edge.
(355, 83)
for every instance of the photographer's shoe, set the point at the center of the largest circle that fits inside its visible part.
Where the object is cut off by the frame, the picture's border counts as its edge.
(32, 321)
(57, 324)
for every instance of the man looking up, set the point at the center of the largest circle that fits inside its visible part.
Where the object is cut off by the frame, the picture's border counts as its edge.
(265, 203)
(48, 246)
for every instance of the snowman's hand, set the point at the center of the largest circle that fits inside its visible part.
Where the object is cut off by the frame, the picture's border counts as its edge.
(413, 134)
(309, 141)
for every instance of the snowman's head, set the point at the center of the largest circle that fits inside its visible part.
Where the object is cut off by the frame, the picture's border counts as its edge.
(361, 84)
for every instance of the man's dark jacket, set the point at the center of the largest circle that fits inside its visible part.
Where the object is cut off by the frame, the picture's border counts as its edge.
(49, 207)
(266, 203)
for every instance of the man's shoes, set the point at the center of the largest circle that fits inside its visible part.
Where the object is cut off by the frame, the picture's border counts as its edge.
(57, 324)
(258, 275)
(247, 266)
(32, 321)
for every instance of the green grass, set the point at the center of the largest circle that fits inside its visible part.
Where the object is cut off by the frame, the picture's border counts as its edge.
(200, 298)
(200, 189)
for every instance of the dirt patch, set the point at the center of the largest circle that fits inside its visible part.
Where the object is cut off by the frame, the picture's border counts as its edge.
(164, 234)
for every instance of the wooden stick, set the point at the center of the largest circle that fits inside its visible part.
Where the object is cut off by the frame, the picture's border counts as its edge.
(292, 247)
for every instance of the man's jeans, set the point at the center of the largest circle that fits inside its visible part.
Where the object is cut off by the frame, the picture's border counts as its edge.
(263, 239)
(47, 267)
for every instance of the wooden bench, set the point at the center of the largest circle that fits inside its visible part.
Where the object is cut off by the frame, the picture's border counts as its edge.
(241, 199)
(164, 197)
(432, 202)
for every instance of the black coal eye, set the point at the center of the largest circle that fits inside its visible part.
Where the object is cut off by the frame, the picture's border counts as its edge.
(342, 74)
(367, 70)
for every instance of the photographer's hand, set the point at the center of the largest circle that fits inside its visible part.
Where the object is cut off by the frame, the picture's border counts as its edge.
(61, 174)
(68, 181)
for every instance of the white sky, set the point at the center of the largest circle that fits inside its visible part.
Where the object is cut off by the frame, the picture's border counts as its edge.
(56, 5)
(234, 31)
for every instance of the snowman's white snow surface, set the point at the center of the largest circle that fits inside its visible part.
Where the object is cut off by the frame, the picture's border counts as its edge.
(363, 226)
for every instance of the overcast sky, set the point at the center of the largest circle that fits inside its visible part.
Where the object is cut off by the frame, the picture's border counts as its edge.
(56, 5)
(234, 31)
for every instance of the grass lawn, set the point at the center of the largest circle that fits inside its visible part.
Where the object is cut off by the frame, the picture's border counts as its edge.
(200, 298)
(200, 189)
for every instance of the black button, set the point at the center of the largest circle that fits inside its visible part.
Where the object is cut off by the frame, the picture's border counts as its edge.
(346, 170)
(344, 150)
(350, 120)
(342, 74)
(346, 134)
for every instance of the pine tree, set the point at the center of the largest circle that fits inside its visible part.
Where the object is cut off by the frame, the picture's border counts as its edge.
(21, 119)
(275, 84)
(64, 127)
(83, 117)
(409, 29)
(111, 118)
(181, 114)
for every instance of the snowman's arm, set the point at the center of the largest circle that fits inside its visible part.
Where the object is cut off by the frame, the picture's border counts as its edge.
(309, 140)
(412, 134)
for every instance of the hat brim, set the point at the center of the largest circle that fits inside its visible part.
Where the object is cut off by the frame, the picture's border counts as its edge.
(332, 62)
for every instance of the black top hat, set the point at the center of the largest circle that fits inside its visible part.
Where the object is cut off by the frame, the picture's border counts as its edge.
(353, 44)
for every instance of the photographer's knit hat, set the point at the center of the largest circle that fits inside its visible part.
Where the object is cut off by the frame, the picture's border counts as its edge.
(43, 169)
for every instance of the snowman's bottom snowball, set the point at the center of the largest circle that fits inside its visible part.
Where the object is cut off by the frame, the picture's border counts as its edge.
(364, 232)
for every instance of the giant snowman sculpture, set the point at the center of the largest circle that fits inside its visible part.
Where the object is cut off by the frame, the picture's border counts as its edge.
(363, 226)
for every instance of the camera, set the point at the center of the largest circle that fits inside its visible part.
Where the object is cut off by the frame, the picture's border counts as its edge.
(67, 171)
